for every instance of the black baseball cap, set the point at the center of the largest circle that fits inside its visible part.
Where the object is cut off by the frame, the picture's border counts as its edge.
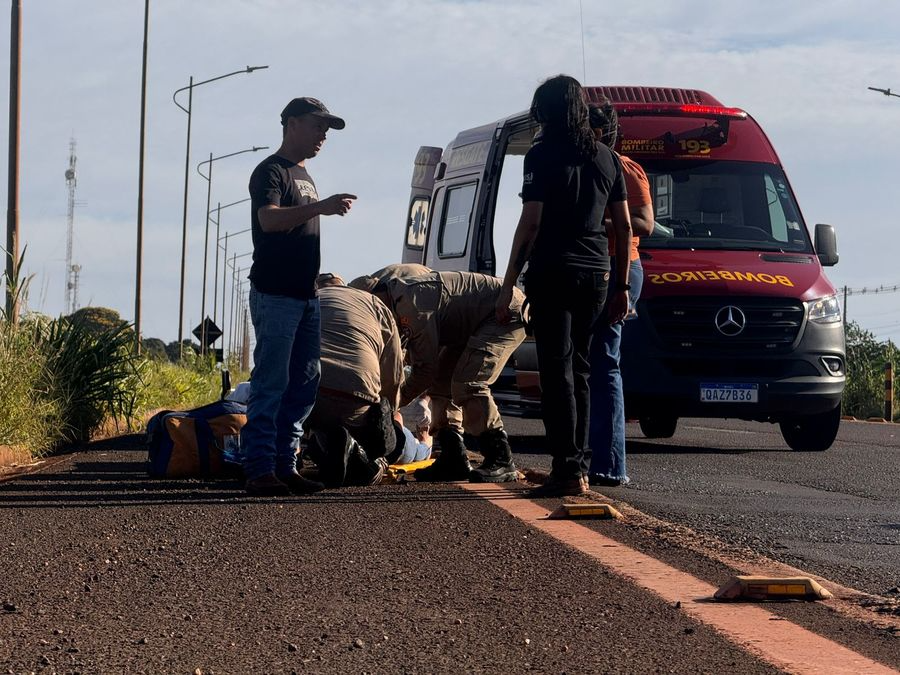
(310, 106)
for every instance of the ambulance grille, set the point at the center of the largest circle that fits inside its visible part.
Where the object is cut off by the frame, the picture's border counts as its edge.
(689, 325)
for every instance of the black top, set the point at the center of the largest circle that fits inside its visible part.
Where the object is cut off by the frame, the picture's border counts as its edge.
(574, 193)
(284, 263)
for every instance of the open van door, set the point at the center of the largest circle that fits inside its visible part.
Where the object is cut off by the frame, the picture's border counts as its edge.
(416, 231)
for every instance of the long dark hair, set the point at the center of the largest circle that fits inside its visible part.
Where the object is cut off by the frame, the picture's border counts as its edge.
(559, 107)
(605, 118)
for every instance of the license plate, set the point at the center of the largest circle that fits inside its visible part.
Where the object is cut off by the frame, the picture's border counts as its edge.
(729, 393)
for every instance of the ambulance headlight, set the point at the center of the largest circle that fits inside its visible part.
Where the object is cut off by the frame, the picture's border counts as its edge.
(825, 310)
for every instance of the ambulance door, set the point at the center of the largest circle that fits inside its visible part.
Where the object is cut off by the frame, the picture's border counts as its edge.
(448, 245)
(419, 208)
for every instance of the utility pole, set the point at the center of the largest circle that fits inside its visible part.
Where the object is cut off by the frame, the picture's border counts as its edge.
(845, 305)
(245, 350)
(139, 252)
(72, 271)
(12, 203)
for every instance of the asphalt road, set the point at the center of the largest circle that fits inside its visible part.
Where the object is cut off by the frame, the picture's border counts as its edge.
(106, 571)
(103, 570)
(834, 513)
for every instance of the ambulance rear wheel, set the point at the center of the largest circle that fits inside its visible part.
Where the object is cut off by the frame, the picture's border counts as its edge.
(659, 426)
(812, 433)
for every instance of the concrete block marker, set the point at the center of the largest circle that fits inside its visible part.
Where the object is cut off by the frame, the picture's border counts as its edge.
(576, 511)
(780, 642)
(772, 588)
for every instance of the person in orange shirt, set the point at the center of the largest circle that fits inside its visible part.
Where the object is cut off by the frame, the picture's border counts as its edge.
(607, 425)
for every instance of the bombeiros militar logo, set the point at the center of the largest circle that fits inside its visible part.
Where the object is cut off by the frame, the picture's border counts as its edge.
(731, 321)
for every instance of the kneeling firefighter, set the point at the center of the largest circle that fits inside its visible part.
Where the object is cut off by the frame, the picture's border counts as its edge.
(353, 432)
(457, 349)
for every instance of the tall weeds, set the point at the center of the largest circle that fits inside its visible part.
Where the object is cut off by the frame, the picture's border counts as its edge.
(95, 377)
(31, 417)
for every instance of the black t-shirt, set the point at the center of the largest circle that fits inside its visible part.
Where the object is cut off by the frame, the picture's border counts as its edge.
(284, 263)
(574, 193)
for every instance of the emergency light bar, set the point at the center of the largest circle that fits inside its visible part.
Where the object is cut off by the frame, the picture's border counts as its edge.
(685, 110)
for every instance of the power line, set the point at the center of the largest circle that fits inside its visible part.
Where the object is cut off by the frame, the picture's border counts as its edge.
(874, 290)
(887, 325)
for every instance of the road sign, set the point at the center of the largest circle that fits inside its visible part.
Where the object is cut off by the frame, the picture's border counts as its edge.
(213, 332)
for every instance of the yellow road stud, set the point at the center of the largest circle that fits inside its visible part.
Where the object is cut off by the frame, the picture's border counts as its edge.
(771, 588)
(571, 511)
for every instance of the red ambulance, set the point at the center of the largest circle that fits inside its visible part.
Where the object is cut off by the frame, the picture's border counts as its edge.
(736, 317)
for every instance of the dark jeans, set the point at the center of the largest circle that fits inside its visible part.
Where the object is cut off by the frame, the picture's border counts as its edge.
(564, 308)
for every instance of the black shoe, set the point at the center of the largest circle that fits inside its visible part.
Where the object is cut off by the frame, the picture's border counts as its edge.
(603, 481)
(452, 463)
(498, 466)
(267, 485)
(300, 485)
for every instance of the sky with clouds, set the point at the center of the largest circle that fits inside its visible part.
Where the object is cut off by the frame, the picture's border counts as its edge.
(406, 73)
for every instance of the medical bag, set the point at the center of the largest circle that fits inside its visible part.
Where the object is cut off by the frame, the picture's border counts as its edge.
(199, 443)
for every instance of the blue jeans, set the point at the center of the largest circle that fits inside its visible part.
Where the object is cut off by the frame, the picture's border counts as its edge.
(607, 429)
(284, 382)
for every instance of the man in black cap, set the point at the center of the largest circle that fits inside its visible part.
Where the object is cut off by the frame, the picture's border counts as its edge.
(285, 214)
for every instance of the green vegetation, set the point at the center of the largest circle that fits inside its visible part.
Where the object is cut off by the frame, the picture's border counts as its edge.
(69, 379)
(866, 360)
(31, 416)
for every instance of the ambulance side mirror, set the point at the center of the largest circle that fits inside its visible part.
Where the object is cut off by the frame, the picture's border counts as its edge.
(826, 245)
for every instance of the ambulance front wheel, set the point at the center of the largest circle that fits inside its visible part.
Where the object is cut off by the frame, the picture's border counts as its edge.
(659, 426)
(812, 433)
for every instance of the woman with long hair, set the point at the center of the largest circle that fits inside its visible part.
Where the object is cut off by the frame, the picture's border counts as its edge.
(570, 180)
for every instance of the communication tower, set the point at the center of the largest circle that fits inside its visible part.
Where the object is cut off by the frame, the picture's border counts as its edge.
(72, 271)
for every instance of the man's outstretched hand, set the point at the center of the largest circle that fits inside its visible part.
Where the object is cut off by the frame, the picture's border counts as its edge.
(336, 205)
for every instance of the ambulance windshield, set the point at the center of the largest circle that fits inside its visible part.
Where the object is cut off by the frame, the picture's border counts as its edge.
(723, 204)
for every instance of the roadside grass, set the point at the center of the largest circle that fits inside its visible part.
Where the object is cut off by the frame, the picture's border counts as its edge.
(193, 382)
(66, 381)
(31, 415)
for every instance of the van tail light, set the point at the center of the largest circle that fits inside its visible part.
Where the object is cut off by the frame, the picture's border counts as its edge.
(686, 110)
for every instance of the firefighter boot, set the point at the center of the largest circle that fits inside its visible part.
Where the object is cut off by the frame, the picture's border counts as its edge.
(361, 470)
(453, 462)
(498, 464)
(331, 450)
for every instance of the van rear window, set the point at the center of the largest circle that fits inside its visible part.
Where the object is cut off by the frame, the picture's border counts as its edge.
(723, 205)
(455, 222)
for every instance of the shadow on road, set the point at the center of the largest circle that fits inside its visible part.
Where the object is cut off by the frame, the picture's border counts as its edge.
(537, 445)
(645, 447)
(120, 479)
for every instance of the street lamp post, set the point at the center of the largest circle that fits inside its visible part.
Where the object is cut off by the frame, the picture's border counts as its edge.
(236, 282)
(225, 264)
(219, 208)
(206, 236)
(187, 167)
(886, 92)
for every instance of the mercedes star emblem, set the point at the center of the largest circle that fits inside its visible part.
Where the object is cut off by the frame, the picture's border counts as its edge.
(731, 321)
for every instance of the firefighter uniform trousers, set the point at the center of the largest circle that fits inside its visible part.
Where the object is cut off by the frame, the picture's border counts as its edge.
(456, 346)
